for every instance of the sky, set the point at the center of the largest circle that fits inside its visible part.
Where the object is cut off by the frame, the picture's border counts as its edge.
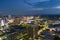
(29, 7)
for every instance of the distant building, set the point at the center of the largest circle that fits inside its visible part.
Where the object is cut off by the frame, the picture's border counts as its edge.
(2, 22)
(9, 16)
(10, 20)
(28, 19)
(17, 20)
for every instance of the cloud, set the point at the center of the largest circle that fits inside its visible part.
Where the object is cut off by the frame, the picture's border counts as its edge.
(33, 2)
(44, 0)
(55, 7)
(37, 9)
(58, 7)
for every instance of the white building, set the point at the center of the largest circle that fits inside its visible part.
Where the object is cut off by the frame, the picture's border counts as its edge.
(2, 22)
(10, 20)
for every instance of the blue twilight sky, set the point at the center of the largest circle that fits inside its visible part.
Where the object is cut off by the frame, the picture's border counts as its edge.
(29, 7)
